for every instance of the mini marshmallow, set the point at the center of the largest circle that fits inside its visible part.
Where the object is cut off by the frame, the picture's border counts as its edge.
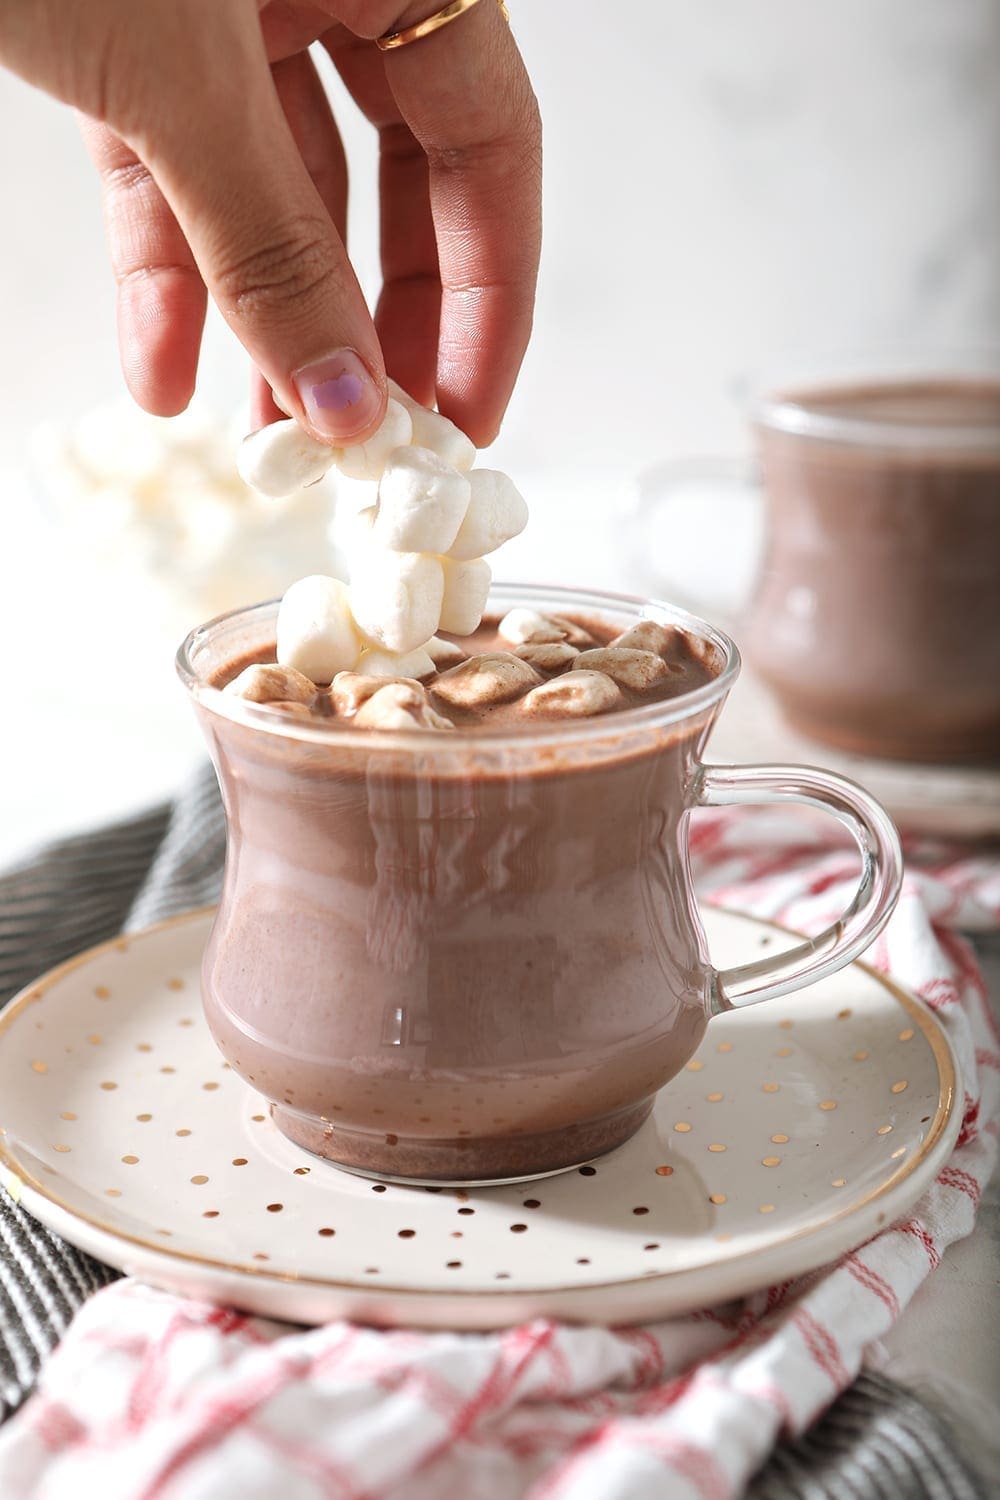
(368, 460)
(496, 677)
(415, 664)
(357, 530)
(396, 597)
(444, 654)
(266, 683)
(399, 705)
(647, 635)
(497, 511)
(466, 589)
(294, 710)
(547, 656)
(573, 695)
(526, 625)
(281, 459)
(120, 447)
(349, 690)
(421, 502)
(316, 633)
(431, 430)
(572, 632)
(638, 670)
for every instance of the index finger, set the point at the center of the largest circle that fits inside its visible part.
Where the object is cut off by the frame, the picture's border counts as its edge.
(464, 92)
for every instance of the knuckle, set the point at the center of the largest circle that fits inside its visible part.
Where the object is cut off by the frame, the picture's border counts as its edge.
(294, 268)
(515, 152)
(127, 178)
(470, 157)
(138, 274)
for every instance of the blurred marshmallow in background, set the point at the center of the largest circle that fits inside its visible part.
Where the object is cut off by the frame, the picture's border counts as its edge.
(158, 510)
(723, 183)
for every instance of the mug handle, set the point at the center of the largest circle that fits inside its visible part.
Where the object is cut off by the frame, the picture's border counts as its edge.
(718, 493)
(868, 910)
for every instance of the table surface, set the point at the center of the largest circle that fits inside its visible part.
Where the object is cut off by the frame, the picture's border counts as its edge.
(99, 728)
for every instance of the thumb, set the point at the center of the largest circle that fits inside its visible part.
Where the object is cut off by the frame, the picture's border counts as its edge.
(268, 251)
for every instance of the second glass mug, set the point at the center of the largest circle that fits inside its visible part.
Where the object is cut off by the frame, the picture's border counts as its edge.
(474, 957)
(873, 610)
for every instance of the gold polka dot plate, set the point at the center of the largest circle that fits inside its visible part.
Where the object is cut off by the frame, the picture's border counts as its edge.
(801, 1127)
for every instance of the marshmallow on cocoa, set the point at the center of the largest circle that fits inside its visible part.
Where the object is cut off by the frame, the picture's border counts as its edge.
(399, 705)
(572, 632)
(377, 663)
(630, 668)
(547, 656)
(574, 695)
(495, 677)
(527, 626)
(264, 682)
(646, 635)
(349, 690)
(294, 710)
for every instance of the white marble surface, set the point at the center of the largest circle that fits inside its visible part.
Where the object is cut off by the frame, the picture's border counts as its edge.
(723, 182)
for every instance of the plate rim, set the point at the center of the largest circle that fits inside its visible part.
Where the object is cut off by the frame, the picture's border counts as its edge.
(24, 1187)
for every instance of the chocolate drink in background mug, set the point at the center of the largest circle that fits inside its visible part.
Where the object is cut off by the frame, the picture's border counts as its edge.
(875, 614)
(475, 955)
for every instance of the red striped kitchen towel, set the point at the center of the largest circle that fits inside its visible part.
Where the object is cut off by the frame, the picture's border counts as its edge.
(150, 1395)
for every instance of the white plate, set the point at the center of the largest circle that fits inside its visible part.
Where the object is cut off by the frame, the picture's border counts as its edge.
(800, 1129)
(955, 801)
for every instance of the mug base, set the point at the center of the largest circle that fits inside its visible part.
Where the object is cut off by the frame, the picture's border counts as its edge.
(462, 1163)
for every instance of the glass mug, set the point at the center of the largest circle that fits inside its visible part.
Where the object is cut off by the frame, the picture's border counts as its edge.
(874, 615)
(469, 957)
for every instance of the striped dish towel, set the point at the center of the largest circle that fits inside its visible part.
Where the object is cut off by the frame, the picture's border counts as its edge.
(155, 1396)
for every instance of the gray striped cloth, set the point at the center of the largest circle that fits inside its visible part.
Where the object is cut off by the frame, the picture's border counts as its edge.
(73, 894)
(877, 1440)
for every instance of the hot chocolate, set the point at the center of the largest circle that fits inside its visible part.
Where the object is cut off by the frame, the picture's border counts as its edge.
(487, 680)
(457, 939)
(490, 948)
(876, 619)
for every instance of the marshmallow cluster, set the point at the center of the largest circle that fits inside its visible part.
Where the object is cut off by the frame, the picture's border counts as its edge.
(595, 682)
(417, 567)
(597, 674)
(159, 503)
(417, 556)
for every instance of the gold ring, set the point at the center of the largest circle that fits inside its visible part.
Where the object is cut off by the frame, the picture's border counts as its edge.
(442, 17)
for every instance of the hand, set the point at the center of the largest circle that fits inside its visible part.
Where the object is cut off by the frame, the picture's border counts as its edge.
(223, 173)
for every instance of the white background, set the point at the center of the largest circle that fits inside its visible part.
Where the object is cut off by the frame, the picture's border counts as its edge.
(724, 183)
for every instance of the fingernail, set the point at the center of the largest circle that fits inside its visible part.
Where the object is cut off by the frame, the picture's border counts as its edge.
(339, 395)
